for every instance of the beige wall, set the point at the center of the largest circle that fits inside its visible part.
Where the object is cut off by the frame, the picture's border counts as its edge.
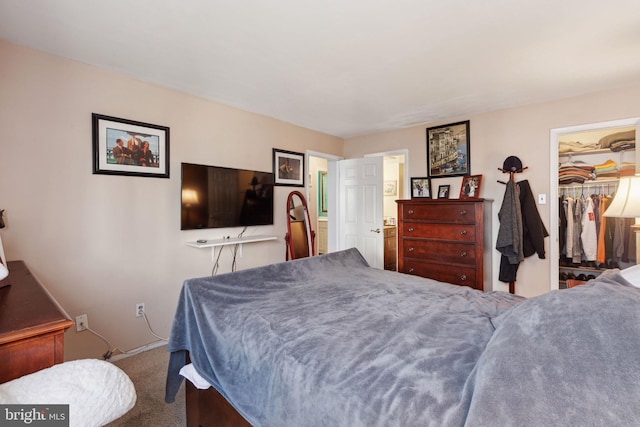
(103, 243)
(523, 132)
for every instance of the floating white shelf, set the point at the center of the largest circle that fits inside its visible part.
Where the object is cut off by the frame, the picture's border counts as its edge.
(213, 243)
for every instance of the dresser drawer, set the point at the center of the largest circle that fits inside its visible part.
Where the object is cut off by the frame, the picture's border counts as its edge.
(457, 253)
(456, 275)
(461, 213)
(457, 232)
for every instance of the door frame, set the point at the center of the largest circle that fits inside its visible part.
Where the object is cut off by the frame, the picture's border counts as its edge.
(332, 185)
(406, 178)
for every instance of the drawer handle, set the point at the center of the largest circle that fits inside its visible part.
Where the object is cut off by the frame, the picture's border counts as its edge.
(410, 229)
(463, 233)
(463, 277)
(463, 254)
(411, 249)
(410, 270)
(410, 211)
(463, 212)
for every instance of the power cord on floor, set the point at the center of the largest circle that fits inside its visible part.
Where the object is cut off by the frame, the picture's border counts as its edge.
(150, 329)
(107, 355)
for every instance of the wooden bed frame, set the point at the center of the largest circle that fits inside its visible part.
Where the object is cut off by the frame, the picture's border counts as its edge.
(208, 408)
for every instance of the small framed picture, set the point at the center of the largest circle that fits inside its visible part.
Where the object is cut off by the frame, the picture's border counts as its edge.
(443, 191)
(288, 168)
(126, 147)
(470, 187)
(390, 188)
(420, 188)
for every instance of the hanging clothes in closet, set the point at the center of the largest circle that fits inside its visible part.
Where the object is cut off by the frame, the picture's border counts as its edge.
(522, 232)
(587, 238)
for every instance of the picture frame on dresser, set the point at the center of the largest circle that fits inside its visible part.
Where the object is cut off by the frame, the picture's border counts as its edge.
(449, 150)
(420, 188)
(443, 191)
(470, 188)
(128, 147)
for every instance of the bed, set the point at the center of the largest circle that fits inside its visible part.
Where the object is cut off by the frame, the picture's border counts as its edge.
(329, 340)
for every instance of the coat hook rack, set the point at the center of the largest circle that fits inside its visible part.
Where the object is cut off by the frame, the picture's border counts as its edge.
(512, 165)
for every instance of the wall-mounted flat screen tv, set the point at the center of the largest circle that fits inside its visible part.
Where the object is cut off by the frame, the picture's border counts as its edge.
(218, 197)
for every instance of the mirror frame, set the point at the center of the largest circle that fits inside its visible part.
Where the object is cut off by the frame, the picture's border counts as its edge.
(311, 235)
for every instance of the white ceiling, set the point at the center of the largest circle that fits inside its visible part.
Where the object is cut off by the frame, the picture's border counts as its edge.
(347, 67)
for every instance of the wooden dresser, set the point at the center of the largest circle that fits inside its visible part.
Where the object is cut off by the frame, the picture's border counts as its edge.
(446, 240)
(32, 325)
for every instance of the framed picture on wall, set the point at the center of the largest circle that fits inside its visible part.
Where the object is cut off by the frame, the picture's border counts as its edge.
(448, 150)
(127, 147)
(322, 194)
(288, 168)
(420, 188)
(470, 188)
(390, 188)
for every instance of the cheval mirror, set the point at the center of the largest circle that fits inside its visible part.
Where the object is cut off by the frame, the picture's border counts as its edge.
(300, 238)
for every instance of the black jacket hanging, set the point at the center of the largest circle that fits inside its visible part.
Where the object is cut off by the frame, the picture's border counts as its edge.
(533, 231)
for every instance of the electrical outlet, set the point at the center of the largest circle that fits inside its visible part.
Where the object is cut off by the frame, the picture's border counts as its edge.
(82, 322)
(139, 309)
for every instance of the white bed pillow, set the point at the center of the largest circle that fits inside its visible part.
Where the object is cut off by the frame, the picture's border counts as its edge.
(632, 275)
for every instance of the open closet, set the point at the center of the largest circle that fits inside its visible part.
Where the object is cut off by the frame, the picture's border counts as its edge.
(591, 162)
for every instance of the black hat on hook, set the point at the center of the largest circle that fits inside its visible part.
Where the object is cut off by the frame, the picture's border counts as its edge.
(512, 164)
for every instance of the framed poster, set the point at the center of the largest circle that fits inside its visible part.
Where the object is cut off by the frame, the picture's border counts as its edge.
(288, 168)
(448, 150)
(127, 147)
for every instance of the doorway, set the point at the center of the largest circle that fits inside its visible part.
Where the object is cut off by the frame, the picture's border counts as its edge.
(556, 135)
(322, 196)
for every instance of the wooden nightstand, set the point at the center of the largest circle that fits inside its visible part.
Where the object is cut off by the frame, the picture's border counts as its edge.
(32, 325)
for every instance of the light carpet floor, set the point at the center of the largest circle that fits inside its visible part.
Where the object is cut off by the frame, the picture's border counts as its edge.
(148, 372)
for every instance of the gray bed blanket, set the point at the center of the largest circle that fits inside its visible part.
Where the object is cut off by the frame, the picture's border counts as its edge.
(566, 358)
(330, 341)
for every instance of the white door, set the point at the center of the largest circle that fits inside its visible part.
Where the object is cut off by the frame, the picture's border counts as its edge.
(360, 217)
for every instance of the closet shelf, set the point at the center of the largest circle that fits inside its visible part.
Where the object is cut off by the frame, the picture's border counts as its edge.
(598, 151)
(580, 268)
(592, 182)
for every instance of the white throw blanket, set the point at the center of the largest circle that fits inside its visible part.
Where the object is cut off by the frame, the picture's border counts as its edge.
(97, 391)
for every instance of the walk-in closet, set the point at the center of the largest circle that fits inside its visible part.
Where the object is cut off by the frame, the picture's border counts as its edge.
(591, 163)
